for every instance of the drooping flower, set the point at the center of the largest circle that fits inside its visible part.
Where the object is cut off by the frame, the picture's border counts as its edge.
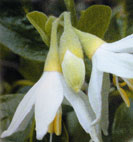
(115, 58)
(71, 56)
(45, 98)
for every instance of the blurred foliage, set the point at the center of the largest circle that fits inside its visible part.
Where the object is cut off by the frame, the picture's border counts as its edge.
(121, 21)
(31, 70)
(23, 52)
(21, 46)
(70, 5)
(76, 132)
(123, 122)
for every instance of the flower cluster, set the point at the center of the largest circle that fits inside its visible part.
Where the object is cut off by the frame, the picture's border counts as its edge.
(64, 76)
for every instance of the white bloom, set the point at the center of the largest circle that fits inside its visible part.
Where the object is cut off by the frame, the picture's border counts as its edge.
(115, 58)
(44, 99)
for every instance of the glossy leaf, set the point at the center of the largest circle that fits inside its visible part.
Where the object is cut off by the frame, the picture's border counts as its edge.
(21, 46)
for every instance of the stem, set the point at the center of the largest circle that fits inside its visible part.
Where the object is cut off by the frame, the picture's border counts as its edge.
(51, 136)
(32, 131)
(70, 5)
(67, 21)
(53, 42)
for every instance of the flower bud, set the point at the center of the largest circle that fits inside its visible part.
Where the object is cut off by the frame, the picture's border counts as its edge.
(74, 71)
(71, 56)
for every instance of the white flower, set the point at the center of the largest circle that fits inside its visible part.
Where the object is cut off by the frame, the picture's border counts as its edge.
(44, 99)
(115, 58)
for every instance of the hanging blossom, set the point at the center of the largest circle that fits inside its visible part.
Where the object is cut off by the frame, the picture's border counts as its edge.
(45, 98)
(71, 56)
(115, 58)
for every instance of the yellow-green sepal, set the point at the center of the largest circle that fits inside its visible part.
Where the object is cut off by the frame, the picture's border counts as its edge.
(69, 40)
(52, 62)
(90, 42)
(73, 70)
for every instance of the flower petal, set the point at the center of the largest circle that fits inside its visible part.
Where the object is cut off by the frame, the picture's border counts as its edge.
(23, 112)
(119, 64)
(83, 110)
(124, 45)
(49, 99)
(94, 91)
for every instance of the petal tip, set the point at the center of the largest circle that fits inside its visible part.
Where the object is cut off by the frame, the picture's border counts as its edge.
(41, 133)
(39, 136)
(4, 134)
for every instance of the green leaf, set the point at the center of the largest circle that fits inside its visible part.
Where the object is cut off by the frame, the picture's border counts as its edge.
(70, 5)
(38, 20)
(31, 70)
(122, 130)
(128, 7)
(118, 25)
(5, 53)
(21, 46)
(75, 131)
(95, 20)
(113, 32)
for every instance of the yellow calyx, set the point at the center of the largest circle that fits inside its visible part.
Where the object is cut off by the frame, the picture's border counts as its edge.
(90, 43)
(55, 126)
(52, 61)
